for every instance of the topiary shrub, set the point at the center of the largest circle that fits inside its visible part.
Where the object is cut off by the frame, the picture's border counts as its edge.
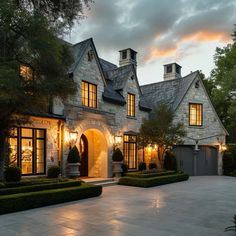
(12, 174)
(53, 172)
(117, 155)
(142, 166)
(170, 162)
(73, 156)
(152, 165)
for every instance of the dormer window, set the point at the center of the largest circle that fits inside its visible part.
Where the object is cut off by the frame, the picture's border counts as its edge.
(169, 69)
(26, 72)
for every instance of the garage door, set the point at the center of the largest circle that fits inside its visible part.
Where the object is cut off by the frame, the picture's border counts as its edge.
(206, 160)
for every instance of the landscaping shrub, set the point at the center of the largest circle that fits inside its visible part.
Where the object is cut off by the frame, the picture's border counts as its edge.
(170, 162)
(152, 165)
(73, 156)
(142, 166)
(229, 163)
(53, 172)
(24, 201)
(39, 187)
(150, 173)
(32, 181)
(124, 168)
(117, 155)
(153, 181)
(12, 174)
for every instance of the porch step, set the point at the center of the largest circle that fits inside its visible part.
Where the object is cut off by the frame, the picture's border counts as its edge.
(102, 182)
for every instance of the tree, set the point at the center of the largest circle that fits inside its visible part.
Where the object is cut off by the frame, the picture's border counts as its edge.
(33, 61)
(161, 130)
(224, 91)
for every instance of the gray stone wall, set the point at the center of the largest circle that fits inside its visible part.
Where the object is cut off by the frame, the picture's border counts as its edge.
(211, 124)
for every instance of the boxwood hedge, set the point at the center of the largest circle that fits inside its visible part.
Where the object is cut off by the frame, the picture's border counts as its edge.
(153, 181)
(144, 174)
(39, 187)
(24, 201)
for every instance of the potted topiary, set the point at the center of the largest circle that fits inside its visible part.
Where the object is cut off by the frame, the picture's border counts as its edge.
(73, 164)
(117, 158)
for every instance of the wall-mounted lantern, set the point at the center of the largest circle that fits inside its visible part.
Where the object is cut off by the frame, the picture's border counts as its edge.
(117, 141)
(72, 138)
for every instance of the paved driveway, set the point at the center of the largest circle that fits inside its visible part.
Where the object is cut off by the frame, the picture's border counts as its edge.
(201, 206)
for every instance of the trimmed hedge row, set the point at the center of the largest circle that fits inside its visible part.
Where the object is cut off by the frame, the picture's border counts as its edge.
(152, 181)
(32, 181)
(39, 187)
(25, 201)
(149, 175)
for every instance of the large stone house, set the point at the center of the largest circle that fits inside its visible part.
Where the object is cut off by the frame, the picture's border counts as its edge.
(107, 112)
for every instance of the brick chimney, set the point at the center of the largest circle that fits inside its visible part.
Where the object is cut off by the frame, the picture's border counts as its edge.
(172, 71)
(128, 56)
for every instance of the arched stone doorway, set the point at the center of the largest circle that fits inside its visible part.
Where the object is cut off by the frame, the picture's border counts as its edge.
(94, 154)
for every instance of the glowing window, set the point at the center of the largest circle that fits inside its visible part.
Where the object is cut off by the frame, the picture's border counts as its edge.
(130, 151)
(195, 114)
(89, 94)
(131, 105)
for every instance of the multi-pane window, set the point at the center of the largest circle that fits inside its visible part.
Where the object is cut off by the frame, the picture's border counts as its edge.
(26, 72)
(195, 114)
(28, 150)
(131, 105)
(130, 151)
(89, 94)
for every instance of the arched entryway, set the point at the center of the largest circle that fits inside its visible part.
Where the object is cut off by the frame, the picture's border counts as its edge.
(94, 154)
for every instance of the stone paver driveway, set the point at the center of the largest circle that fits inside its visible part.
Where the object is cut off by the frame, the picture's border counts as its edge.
(200, 206)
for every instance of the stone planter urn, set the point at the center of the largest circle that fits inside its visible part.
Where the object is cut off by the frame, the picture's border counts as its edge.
(117, 158)
(73, 170)
(116, 168)
(73, 164)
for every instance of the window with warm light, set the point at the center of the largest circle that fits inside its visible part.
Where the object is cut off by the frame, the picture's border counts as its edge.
(130, 151)
(131, 105)
(26, 72)
(89, 94)
(195, 114)
(28, 150)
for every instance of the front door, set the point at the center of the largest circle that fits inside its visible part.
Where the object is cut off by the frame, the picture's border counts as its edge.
(83, 156)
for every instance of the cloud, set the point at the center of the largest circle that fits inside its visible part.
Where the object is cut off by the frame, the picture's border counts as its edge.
(156, 28)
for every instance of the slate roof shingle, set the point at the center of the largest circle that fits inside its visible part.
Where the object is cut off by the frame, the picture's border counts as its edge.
(170, 92)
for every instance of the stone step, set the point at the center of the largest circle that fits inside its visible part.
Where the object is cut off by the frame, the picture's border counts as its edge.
(101, 181)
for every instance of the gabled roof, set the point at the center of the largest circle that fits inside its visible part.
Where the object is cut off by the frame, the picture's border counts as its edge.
(170, 92)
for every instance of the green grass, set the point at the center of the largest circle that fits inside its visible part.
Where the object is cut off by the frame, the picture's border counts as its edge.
(29, 200)
(146, 174)
(152, 181)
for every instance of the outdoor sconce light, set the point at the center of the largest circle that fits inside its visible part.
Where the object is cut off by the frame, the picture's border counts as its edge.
(72, 137)
(222, 147)
(118, 139)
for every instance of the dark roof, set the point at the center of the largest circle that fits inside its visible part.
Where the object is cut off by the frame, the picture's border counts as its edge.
(44, 114)
(170, 92)
(78, 51)
(106, 65)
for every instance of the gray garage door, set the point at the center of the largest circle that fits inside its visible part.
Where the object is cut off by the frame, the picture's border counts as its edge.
(206, 163)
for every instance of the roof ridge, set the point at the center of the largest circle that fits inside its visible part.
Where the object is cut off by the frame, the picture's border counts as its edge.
(89, 39)
(170, 80)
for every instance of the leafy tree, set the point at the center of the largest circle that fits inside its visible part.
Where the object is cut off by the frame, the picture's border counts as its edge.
(224, 92)
(29, 33)
(161, 130)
